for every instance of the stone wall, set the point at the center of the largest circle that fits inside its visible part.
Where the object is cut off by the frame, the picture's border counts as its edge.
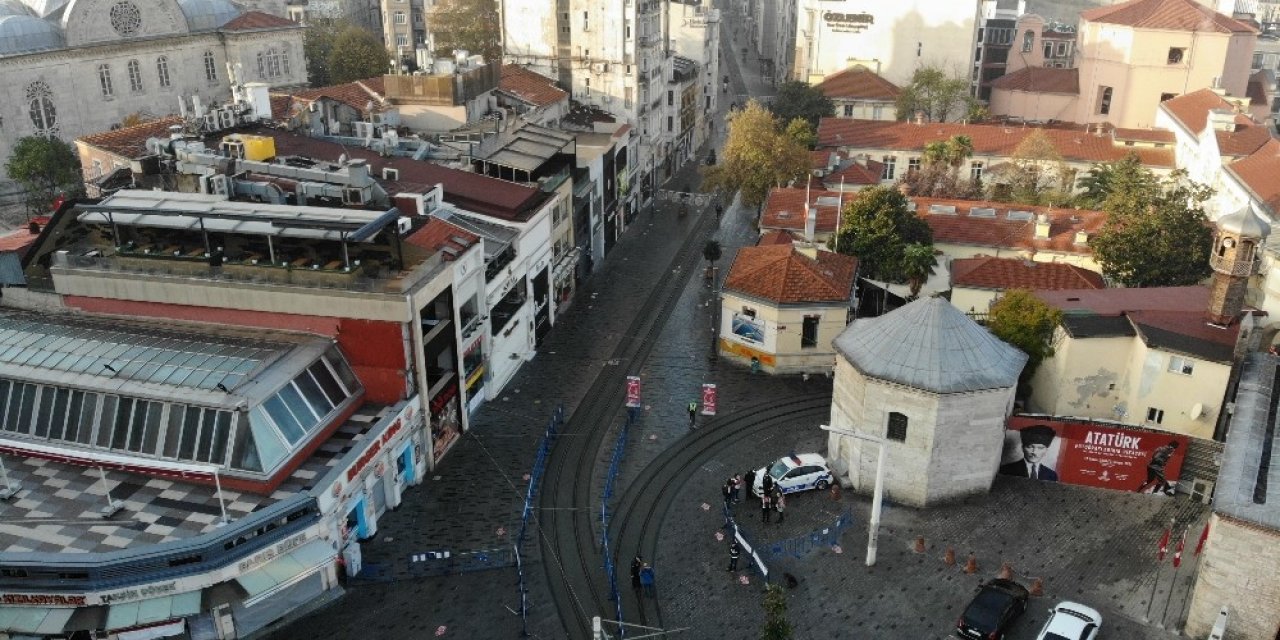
(1240, 569)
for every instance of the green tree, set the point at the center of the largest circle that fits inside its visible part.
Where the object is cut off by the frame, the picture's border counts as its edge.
(918, 261)
(877, 227)
(776, 626)
(1101, 179)
(45, 168)
(1035, 175)
(1026, 322)
(797, 99)
(711, 252)
(936, 95)
(802, 133)
(471, 25)
(757, 157)
(356, 54)
(1156, 233)
(939, 173)
(317, 45)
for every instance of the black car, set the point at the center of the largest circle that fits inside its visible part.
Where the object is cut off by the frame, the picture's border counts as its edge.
(996, 606)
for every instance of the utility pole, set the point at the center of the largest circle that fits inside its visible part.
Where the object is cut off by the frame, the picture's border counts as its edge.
(877, 500)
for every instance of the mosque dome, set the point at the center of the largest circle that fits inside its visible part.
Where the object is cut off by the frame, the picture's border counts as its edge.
(27, 33)
(13, 8)
(206, 15)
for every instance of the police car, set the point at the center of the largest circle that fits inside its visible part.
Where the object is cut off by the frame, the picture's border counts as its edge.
(796, 472)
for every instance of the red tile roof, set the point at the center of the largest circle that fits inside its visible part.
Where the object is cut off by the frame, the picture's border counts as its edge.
(784, 209)
(1191, 110)
(822, 158)
(1110, 302)
(1040, 80)
(1175, 15)
(18, 241)
(988, 140)
(357, 94)
(777, 236)
(281, 105)
(438, 235)
(1243, 141)
(1159, 136)
(855, 174)
(530, 86)
(468, 190)
(1257, 88)
(1259, 173)
(1000, 232)
(860, 83)
(256, 20)
(131, 142)
(783, 275)
(1014, 273)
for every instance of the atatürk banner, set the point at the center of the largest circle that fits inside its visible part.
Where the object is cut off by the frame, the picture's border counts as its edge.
(1092, 454)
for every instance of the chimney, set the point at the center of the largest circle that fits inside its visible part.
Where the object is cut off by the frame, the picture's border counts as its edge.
(810, 224)
(1082, 237)
(1042, 226)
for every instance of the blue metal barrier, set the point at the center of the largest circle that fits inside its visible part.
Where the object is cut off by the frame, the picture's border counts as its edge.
(803, 545)
(535, 481)
(610, 567)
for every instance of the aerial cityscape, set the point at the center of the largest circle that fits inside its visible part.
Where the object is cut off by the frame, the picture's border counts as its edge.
(604, 319)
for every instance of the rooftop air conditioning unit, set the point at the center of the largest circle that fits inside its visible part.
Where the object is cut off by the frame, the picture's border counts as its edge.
(404, 225)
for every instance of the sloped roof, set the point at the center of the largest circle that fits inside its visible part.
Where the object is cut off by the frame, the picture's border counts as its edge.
(784, 208)
(1117, 301)
(988, 139)
(356, 94)
(1157, 136)
(257, 20)
(1246, 475)
(1243, 141)
(1257, 88)
(1173, 15)
(1259, 173)
(131, 142)
(855, 174)
(860, 83)
(776, 237)
(1040, 80)
(783, 275)
(18, 241)
(530, 86)
(998, 230)
(1013, 273)
(439, 235)
(1191, 110)
(930, 345)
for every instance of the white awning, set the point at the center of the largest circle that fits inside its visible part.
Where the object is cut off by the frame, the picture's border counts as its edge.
(34, 620)
(286, 570)
(153, 610)
(168, 630)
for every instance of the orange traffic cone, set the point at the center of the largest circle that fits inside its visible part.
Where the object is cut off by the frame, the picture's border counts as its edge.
(950, 557)
(1006, 572)
(971, 567)
(1037, 587)
(919, 548)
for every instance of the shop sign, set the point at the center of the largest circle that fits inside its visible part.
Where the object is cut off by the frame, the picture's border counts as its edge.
(139, 593)
(708, 399)
(848, 22)
(42, 599)
(110, 597)
(374, 448)
(272, 552)
(1109, 456)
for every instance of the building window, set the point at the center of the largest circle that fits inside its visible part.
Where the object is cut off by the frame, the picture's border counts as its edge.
(848, 111)
(44, 116)
(586, 21)
(670, 124)
(977, 54)
(1104, 100)
(981, 32)
(1182, 365)
(897, 427)
(135, 76)
(273, 63)
(890, 166)
(809, 332)
(1155, 415)
(1257, 61)
(210, 67)
(399, 18)
(877, 112)
(104, 80)
(1048, 49)
(402, 40)
(671, 98)
(1064, 49)
(975, 171)
(1028, 41)
(1176, 54)
(162, 70)
(913, 165)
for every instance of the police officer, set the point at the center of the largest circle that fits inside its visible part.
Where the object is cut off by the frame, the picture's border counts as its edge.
(693, 413)
(734, 552)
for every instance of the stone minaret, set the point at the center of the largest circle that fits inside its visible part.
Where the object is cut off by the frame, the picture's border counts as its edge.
(1237, 244)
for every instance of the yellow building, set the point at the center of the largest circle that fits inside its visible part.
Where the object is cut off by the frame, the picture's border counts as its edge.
(782, 307)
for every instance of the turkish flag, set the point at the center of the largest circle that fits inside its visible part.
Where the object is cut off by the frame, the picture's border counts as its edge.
(1204, 535)
(1177, 553)
(1164, 546)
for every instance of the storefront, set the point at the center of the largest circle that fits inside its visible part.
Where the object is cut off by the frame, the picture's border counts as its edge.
(473, 372)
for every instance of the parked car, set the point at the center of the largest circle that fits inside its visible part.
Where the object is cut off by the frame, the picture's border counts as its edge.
(796, 472)
(1071, 621)
(988, 616)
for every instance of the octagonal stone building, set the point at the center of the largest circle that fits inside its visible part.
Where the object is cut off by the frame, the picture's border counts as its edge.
(936, 387)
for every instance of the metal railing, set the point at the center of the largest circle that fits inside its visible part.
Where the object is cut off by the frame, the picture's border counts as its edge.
(615, 464)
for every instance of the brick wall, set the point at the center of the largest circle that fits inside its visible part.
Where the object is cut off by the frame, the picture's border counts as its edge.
(1240, 568)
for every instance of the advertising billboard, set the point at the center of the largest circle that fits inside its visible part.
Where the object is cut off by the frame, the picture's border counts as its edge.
(1092, 454)
(748, 328)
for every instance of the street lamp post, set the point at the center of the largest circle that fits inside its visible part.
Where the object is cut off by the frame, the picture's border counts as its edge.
(877, 500)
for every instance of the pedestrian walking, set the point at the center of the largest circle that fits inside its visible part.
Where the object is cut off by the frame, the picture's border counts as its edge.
(750, 483)
(693, 414)
(636, 565)
(779, 502)
(646, 579)
(727, 492)
(734, 552)
(766, 484)
(766, 507)
(737, 488)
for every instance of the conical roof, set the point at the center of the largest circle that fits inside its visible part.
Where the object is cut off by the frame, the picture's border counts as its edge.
(1244, 223)
(930, 345)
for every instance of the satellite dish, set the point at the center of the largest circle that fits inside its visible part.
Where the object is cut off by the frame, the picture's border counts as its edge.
(1197, 410)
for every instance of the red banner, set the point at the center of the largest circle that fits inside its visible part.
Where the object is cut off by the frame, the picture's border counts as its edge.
(708, 399)
(1093, 454)
(633, 391)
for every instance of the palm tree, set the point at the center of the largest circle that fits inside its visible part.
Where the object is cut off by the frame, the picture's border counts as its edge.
(918, 261)
(935, 153)
(958, 149)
